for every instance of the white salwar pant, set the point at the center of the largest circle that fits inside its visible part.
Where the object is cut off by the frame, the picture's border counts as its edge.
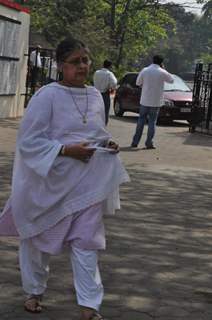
(34, 266)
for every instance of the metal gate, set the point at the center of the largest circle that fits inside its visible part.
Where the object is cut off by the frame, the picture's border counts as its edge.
(202, 98)
(41, 70)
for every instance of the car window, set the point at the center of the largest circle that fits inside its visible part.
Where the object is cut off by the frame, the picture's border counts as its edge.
(177, 85)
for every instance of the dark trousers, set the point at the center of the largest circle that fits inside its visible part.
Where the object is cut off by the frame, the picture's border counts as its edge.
(35, 74)
(106, 98)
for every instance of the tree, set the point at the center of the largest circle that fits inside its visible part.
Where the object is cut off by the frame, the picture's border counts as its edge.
(117, 29)
(134, 25)
(188, 41)
(207, 10)
(204, 30)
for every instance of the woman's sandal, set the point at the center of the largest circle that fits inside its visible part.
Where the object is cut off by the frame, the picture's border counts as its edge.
(33, 304)
(96, 316)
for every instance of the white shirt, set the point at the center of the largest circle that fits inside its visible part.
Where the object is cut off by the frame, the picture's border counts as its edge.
(52, 69)
(35, 55)
(104, 80)
(152, 80)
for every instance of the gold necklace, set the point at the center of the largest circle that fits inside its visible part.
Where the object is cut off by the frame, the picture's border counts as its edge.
(83, 115)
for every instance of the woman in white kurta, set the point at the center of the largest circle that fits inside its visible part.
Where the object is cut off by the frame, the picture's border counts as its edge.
(66, 175)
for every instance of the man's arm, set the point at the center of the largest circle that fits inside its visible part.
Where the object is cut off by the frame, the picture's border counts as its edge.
(139, 79)
(32, 58)
(168, 77)
(112, 81)
(94, 79)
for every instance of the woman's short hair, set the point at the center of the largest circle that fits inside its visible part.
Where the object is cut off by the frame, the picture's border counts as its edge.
(67, 47)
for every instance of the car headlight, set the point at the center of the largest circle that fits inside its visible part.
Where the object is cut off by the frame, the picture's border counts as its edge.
(168, 103)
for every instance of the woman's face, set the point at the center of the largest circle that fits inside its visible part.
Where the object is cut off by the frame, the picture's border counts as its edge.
(75, 68)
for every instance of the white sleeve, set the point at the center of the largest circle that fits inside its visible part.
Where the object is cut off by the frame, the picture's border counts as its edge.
(94, 79)
(168, 77)
(32, 57)
(139, 79)
(37, 149)
(102, 106)
(39, 62)
(112, 81)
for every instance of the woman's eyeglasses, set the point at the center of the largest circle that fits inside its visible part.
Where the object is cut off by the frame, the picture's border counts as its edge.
(78, 61)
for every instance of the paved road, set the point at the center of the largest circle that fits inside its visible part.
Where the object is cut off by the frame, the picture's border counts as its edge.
(159, 258)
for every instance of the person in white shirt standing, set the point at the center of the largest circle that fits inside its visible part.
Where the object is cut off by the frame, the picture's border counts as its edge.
(152, 80)
(36, 65)
(105, 81)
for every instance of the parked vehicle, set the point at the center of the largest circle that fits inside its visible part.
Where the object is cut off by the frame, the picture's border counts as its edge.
(177, 98)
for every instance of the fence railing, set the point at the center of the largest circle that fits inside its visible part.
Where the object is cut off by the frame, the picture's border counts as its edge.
(42, 69)
(202, 98)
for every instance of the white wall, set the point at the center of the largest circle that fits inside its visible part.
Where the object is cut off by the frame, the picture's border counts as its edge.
(13, 106)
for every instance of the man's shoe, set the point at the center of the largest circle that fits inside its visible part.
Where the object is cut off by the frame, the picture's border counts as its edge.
(150, 147)
(134, 146)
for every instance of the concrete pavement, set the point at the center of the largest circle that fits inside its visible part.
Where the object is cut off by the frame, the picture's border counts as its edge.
(159, 257)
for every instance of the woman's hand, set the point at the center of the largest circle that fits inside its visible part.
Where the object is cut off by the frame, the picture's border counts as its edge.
(79, 151)
(114, 146)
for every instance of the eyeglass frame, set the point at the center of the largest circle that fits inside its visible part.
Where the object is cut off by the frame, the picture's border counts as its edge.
(78, 61)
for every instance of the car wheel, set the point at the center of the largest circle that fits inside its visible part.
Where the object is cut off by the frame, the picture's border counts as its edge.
(118, 109)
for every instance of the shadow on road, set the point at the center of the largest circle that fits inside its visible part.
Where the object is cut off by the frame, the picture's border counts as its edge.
(129, 119)
(6, 163)
(196, 139)
(134, 118)
(159, 246)
(199, 139)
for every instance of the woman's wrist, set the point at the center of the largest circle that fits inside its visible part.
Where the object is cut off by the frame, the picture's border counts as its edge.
(110, 143)
(62, 150)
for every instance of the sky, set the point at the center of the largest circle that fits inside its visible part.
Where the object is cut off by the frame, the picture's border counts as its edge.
(189, 5)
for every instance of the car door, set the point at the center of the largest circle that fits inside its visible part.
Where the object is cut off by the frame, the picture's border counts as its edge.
(131, 98)
(129, 93)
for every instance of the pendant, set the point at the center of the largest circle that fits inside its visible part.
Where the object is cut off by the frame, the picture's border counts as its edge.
(84, 120)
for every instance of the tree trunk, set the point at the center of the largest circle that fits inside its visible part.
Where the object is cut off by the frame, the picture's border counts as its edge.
(121, 31)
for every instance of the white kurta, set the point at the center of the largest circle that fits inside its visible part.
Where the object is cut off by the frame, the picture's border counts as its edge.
(47, 187)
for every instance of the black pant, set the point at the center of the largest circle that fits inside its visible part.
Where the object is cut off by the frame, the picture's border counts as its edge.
(35, 75)
(106, 98)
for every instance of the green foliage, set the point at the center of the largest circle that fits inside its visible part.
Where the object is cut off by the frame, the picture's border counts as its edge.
(207, 10)
(126, 31)
(206, 58)
(120, 30)
(136, 25)
(55, 18)
(186, 42)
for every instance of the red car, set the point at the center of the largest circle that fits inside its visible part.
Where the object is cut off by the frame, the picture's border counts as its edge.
(177, 98)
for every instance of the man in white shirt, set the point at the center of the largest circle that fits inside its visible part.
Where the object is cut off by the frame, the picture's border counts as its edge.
(152, 80)
(52, 71)
(105, 81)
(36, 65)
